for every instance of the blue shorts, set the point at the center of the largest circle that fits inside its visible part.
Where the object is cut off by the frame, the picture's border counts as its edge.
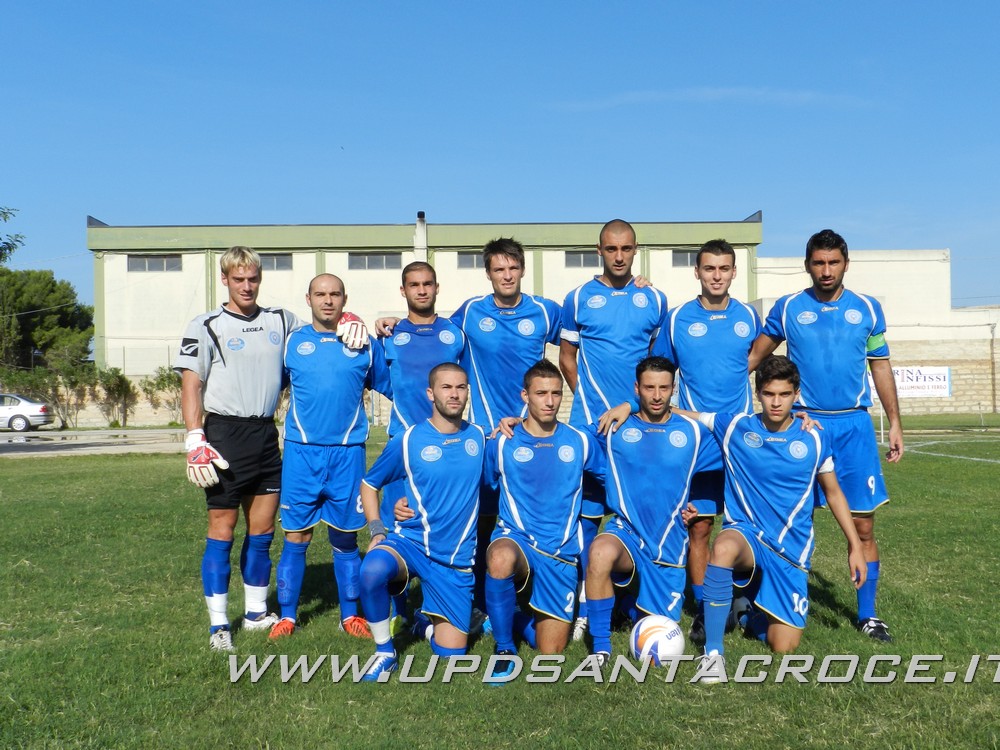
(447, 591)
(782, 588)
(322, 483)
(660, 588)
(553, 581)
(708, 493)
(390, 494)
(856, 460)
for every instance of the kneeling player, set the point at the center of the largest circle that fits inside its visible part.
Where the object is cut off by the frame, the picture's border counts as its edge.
(538, 472)
(651, 459)
(772, 467)
(441, 461)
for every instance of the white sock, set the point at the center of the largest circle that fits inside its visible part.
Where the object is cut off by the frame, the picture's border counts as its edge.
(217, 606)
(381, 631)
(255, 599)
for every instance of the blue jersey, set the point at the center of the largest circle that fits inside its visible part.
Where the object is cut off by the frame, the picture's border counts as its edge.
(328, 381)
(442, 474)
(411, 353)
(613, 329)
(648, 480)
(501, 344)
(540, 481)
(770, 479)
(710, 349)
(830, 342)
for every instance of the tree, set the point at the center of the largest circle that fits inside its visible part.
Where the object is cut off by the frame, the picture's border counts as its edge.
(164, 389)
(115, 396)
(9, 242)
(41, 321)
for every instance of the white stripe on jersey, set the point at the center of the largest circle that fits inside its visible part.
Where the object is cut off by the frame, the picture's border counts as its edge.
(683, 500)
(732, 470)
(807, 495)
(416, 493)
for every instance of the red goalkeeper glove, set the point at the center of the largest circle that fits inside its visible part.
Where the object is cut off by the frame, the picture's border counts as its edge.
(202, 460)
(351, 331)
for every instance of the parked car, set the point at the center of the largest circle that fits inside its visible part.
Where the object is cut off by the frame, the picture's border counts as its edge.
(20, 414)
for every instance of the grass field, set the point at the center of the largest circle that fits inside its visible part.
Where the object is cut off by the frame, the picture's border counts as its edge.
(103, 637)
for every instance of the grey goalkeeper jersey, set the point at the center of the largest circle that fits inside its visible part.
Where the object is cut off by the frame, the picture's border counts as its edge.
(239, 359)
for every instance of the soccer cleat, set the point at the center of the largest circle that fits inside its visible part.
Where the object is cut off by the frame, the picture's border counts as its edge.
(221, 640)
(579, 628)
(477, 621)
(711, 669)
(876, 629)
(697, 633)
(384, 664)
(399, 624)
(283, 627)
(264, 622)
(503, 668)
(740, 614)
(356, 626)
(603, 661)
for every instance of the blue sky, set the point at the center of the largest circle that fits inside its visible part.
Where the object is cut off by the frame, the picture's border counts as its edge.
(876, 119)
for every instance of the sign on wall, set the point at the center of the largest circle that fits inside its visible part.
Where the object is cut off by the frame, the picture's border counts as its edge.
(920, 382)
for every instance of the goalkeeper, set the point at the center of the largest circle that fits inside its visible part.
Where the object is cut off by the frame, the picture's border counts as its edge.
(230, 363)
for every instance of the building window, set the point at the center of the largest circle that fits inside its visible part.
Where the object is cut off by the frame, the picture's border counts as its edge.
(582, 259)
(685, 258)
(374, 261)
(153, 263)
(470, 260)
(276, 262)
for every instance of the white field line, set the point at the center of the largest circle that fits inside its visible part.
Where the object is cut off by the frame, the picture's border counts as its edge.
(918, 448)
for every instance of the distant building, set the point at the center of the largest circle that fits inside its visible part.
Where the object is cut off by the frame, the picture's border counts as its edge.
(150, 281)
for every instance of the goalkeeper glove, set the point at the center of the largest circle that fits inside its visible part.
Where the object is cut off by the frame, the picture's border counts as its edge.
(351, 331)
(202, 459)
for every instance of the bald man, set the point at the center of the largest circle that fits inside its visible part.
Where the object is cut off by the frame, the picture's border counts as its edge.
(325, 433)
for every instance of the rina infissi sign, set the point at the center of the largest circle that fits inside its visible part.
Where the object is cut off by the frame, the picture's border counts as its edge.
(920, 382)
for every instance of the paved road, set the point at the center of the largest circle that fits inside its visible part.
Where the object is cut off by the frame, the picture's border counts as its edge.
(88, 442)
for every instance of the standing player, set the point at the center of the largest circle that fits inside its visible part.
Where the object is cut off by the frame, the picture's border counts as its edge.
(608, 326)
(651, 461)
(832, 333)
(539, 474)
(505, 334)
(416, 345)
(231, 376)
(772, 468)
(440, 461)
(325, 433)
(230, 365)
(709, 339)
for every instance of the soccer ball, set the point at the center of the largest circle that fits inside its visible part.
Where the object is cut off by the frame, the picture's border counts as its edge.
(658, 638)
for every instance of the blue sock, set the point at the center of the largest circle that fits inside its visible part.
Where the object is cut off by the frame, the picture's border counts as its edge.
(377, 569)
(501, 599)
(215, 570)
(215, 567)
(255, 559)
(628, 606)
(718, 602)
(346, 570)
(442, 651)
(524, 626)
(291, 571)
(599, 623)
(401, 604)
(866, 594)
(590, 527)
(757, 625)
(698, 592)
